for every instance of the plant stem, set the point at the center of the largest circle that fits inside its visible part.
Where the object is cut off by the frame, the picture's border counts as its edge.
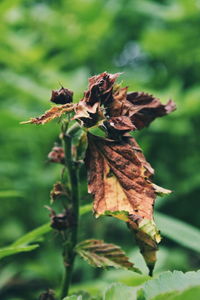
(71, 234)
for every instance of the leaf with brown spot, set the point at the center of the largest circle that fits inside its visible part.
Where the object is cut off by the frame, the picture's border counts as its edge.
(102, 255)
(52, 113)
(119, 180)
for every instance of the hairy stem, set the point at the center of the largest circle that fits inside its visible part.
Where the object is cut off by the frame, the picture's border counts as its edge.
(71, 233)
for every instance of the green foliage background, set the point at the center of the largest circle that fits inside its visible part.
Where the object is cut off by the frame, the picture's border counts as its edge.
(156, 44)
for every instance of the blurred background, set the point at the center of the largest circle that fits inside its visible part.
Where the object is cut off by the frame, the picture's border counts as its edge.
(43, 43)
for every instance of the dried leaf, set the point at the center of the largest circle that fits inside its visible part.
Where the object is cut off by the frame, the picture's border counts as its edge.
(119, 180)
(122, 111)
(161, 191)
(141, 108)
(119, 177)
(86, 114)
(54, 112)
(102, 255)
(121, 123)
(100, 88)
(146, 108)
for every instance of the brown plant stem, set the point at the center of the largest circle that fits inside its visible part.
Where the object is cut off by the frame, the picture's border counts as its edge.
(71, 234)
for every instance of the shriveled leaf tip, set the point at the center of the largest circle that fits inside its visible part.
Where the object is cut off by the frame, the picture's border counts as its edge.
(54, 112)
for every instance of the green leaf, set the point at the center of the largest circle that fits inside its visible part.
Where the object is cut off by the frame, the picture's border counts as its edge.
(33, 235)
(37, 233)
(84, 209)
(82, 295)
(95, 130)
(102, 255)
(10, 194)
(119, 291)
(179, 231)
(189, 294)
(73, 297)
(169, 282)
(7, 251)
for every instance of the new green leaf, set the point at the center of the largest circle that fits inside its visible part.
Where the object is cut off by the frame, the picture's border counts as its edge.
(169, 282)
(7, 251)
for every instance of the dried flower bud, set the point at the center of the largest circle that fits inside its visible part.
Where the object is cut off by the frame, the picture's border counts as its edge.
(57, 155)
(58, 191)
(59, 221)
(61, 96)
(48, 295)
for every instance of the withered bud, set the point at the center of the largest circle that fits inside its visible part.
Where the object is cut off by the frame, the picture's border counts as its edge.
(58, 191)
(59, 221)
(57, 155)
(48, 295)
(61, 96)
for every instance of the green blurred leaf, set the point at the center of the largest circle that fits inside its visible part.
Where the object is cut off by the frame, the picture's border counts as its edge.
(33, 235)
(84, 209)
(73, 297)
(168, 282)
(10, 194)
(119, 291)
(81, 295)
(189, 294)
(37, 233)
(7, 251)
(179, 231)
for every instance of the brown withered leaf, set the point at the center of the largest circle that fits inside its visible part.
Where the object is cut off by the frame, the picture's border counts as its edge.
(52, 113)
(140, 107)
(121, 123)
(100, 88)
(119, 177)
(122, 111)
(99, 92)
(119, 180)
(87, 115)
(146, 108)
(102, 255)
